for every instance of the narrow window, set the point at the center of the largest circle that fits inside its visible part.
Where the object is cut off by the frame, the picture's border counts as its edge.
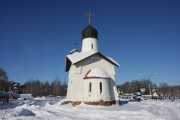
(100, 84)
(90, 85)
(91, 45)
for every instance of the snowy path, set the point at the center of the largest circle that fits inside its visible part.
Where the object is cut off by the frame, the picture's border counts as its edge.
(145, 110)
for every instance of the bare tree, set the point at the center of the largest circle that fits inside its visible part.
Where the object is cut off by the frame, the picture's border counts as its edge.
(131, 87)
(38, 88)
(4, 85)
(56, 86)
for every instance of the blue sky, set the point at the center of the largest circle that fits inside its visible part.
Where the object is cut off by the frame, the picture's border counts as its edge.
(142, 35)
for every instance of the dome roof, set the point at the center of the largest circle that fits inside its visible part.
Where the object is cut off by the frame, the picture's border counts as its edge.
(89, 32)
(96, 73)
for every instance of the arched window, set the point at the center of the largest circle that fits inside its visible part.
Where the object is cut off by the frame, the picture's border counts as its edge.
(91, 45)
(100, 85)
(90, 87)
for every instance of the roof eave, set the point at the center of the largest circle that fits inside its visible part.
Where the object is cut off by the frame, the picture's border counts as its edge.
(108, 59)
(68, 64)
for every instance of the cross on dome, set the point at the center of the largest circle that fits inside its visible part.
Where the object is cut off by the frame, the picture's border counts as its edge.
(89, 14)
(89, 31)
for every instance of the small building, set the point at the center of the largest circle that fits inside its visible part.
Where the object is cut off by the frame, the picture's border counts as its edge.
(25, 96)
(91, 74)
(4, 97)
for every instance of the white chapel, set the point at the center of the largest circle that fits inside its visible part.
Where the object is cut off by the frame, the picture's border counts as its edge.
(91, 74)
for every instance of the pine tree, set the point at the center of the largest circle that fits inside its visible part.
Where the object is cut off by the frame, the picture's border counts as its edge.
(138, 94)
(154, 93)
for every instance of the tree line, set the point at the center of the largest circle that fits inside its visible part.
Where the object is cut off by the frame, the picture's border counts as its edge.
(169, 90)
(147, 85)
(57, 88)
(38, 88)
(35, 87)
(131, 87)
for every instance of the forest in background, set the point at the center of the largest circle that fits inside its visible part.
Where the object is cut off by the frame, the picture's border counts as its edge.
(35, 87)
(147, 85)
(59, 88)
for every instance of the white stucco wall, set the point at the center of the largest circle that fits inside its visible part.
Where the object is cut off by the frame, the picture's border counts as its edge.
(96, 61)
(96, 94)
(75, 85)
(89, 44)
(77, 90)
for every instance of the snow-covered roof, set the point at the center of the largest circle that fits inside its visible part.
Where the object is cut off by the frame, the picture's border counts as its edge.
(74, 58)
(113, 61)
(79, 56)
(74, 51)
(96, 73)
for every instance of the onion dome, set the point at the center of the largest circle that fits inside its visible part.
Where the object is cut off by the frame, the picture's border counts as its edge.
(89, 32)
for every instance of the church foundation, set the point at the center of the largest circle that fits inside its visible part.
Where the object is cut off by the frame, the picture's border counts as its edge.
(101, 103)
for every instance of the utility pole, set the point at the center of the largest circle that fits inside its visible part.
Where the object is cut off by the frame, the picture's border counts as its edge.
(150, 88)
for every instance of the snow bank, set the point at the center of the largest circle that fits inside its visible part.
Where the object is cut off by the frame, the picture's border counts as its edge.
(26, 112)
(144, 110)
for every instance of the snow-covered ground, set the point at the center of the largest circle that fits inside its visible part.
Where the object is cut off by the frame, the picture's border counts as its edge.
(45, 109)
